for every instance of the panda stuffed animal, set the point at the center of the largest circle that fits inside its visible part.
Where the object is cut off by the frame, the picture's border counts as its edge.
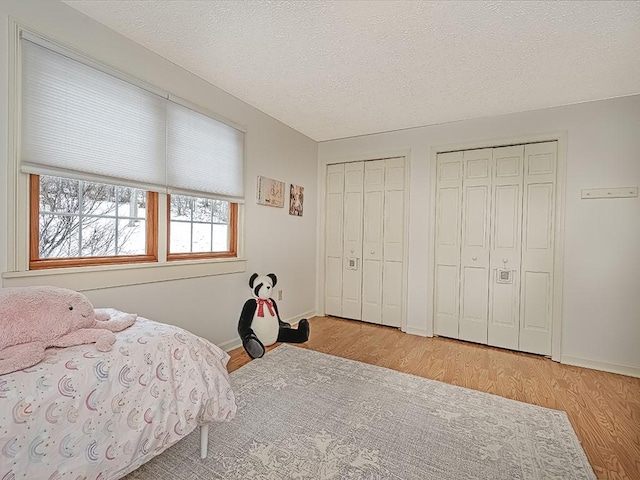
(260, 323)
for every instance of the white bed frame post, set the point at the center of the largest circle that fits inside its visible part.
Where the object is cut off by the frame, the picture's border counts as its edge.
(204, 440)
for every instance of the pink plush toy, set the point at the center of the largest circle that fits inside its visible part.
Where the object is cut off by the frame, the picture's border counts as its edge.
(34, 318)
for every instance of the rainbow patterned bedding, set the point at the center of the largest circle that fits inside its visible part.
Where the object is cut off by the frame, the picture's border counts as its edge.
(84, 414)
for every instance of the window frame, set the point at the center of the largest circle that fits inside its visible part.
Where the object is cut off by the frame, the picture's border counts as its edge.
(37, 263)
(90, 275)
(233, 238)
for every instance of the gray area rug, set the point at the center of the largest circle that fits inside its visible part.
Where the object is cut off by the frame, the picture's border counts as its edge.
(307, 415)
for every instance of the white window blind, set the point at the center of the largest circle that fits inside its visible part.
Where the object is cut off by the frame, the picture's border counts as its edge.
(77, 119)
(80, 122)
(203, 155)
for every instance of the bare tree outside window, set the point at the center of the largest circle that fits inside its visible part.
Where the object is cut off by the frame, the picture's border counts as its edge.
(87, 219)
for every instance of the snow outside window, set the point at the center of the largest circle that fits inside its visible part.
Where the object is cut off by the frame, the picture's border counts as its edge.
(200, 226)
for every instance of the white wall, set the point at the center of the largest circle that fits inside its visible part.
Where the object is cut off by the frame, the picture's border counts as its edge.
(274, 240)
(602, 238)
(601, 312)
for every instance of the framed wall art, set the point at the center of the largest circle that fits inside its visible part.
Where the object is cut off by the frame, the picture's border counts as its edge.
(296, 200)
(270, 192)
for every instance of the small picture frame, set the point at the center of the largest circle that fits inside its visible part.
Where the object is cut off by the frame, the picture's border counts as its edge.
(270, 192)
(296, 200)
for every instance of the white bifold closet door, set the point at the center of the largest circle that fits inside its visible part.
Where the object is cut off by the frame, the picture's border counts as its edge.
(393, 243)
(538, 235)
(364, 269)
(373, 240)
(506, 197)
(352, 243)
(474, 257)
(495, 211)
(447, 243)
(333, 239)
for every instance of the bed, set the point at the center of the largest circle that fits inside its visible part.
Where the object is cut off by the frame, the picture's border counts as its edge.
(82, 413)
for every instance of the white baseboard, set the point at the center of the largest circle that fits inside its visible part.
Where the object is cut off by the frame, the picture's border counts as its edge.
(416, 331)
(604, 366)
(230, 344)
(297, 318)
(237, 342)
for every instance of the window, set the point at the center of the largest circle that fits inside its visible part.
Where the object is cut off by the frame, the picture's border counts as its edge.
(201, 227)
(102, 150)
(75, 223)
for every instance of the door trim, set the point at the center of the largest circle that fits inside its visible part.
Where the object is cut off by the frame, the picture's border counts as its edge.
(322, 198)
(558, 258)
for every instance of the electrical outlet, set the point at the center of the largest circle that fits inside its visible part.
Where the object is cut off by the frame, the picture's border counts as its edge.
(279, 294)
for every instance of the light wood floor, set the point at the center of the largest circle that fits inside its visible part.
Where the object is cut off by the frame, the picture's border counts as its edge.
(604, 408)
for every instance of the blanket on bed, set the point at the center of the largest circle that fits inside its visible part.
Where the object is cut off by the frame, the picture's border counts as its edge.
(82, 413)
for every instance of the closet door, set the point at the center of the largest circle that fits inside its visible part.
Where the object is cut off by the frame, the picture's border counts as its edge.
(504, 283)
(372, 253)
(333, 240)
(474, 258)
(394, 182)
(447, 243)
(365, 235)
(352, 244)
(536, 300)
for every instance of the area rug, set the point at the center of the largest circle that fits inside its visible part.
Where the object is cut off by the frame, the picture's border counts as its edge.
(308, 415)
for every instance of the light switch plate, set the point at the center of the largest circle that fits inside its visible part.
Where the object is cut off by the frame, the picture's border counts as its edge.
(618, 192)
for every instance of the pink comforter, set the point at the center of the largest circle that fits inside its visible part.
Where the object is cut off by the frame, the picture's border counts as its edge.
(99, 415)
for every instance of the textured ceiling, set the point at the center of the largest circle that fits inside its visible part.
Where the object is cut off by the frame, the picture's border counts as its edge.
(334, 69)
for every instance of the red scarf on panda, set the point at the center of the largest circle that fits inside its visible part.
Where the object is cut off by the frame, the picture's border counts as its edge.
(261, 302)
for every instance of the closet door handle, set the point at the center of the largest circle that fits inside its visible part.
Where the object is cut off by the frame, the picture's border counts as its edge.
(474, 258)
